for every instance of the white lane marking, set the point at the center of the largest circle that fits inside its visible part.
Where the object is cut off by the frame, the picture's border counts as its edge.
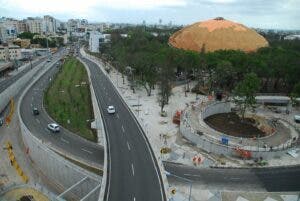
(133, 198)
(193, 175)
(65, 141)
(118, 116)
(38, 121)
(128, 146)
(123, 129)
(87, 151)
(132, 168)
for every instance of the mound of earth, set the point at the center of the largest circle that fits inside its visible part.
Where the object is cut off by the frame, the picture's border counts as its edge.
(232, 124)
(217, 34)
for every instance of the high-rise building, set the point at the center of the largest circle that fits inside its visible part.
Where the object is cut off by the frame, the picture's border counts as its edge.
(49, 24)
(35, 25)
(94, 41)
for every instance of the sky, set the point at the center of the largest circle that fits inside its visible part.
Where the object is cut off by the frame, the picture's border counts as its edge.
(269, 14)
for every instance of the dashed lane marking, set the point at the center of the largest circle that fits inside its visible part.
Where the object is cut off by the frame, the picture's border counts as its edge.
(65, 141)
(132, 168)
(123, 129)
(86, 151)
(128, 146)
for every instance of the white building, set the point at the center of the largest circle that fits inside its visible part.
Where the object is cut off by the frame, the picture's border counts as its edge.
(94, 41)
(8, 29)
(49, 24)
(292, 37)
(11, 52)
(35, 25)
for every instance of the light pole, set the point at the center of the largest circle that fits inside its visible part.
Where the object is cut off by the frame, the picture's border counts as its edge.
(184, 179)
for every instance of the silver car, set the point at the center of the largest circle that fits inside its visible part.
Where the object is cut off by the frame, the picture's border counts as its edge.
(111, 109)
(53, 127)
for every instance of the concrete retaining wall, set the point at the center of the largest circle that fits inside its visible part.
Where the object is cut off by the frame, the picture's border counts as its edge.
(216, 108)
(15, 88)
(58, 170)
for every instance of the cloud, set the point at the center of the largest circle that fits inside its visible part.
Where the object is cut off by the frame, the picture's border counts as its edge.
(82, 7)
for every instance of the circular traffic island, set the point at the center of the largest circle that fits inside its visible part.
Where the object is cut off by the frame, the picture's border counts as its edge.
(234, 125)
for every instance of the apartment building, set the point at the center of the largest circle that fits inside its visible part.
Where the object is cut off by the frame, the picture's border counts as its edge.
(35, 25)
(11, 52)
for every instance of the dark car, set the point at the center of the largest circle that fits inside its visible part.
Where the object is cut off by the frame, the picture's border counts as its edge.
(1, 121)
(35, 111)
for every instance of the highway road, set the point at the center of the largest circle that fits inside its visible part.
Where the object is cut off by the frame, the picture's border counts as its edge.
(132, 170)
(4, 84)
(270, 179)
(65, 141)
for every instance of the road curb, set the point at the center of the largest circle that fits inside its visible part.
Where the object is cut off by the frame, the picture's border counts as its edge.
(103, 188)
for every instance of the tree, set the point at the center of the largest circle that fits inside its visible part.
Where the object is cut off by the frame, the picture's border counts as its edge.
(245, 92)
(27, 35)
(166, 61)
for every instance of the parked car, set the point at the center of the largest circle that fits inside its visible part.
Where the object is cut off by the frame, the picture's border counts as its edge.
(297, 118)
(111, 109)
(35, 111)
(53, 127)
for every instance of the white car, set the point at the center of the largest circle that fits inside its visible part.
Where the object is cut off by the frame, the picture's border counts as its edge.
(111, 109)
(297, 118)
(53, 127)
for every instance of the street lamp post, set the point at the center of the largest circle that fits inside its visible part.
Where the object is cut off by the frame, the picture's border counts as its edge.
(184, 179)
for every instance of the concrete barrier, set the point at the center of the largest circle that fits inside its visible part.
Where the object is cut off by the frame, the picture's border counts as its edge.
(60, 172)
(97, 112)
(15, 88)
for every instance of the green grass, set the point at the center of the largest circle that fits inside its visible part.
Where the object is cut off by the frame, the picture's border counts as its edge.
(68, 100)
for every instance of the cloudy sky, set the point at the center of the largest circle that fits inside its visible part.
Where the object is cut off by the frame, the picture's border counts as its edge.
(279, 14)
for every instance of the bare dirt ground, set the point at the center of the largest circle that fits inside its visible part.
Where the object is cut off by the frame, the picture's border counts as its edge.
(232, 124)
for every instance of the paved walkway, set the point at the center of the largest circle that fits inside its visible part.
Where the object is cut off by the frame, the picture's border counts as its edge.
(200, 194)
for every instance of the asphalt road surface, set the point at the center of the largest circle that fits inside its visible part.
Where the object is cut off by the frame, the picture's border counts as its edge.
(132, 171)
(269, 179)
(4, 84)
(64, 141)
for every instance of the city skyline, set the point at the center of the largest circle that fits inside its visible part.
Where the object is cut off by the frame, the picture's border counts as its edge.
(258, 14)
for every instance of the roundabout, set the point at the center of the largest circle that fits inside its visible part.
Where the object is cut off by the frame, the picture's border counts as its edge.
(214, 128)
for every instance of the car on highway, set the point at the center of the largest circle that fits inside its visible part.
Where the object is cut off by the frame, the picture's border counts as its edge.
(1, 121)
(35, 111)
(297, 118)
(111, 109)
(53, 127)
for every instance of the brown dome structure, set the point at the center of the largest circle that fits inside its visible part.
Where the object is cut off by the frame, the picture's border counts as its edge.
(217, 34)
